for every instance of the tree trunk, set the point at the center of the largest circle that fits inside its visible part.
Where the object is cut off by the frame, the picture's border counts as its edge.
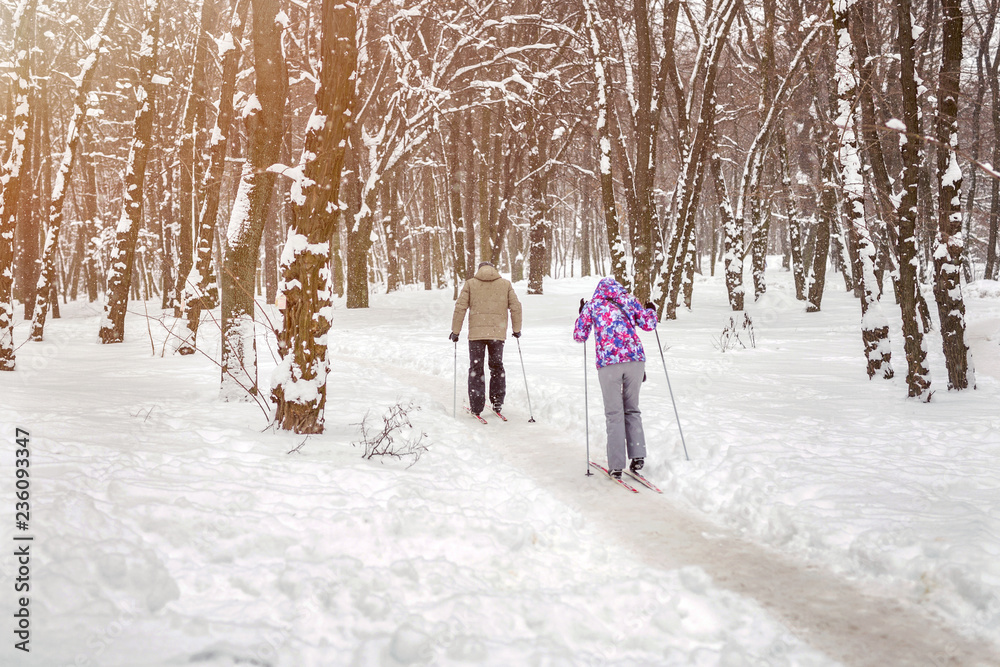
(83, 81)
(538, 223)
(826, 222)
(874, 325)
(200, 290)
(949, 244)
(123, 253)
(91, 222)
(165, 217)
(993, 79)
(265, 115)
(454, 177)
(917, 376)
(10, 173)
(300, 390)
(195, 114)
(732, 235)
(794, 226)
(391, 228)
(29, 235)
(604, 140)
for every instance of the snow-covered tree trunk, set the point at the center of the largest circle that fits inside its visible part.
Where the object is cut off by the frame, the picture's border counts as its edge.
(760, 229)
(36, 167)
(538, 223)
(300, 380)
(826, 221)
(689, 269)
(200, 290)
(667, 290)
(10, 173)
(732, 235)
(91, 219)
(454, 177)
(992, 256)
(391, 228)
(130, 221)
(609, 208)
(82, 83)
(360, 236)
(874, 325)
(190, 144)
(760, 218)
(647, 124)
(918, 380)
(794, 225)
(949, 243)
(264, 114)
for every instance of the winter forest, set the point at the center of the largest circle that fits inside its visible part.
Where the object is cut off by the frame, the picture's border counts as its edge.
(223, 216)
(204, 153)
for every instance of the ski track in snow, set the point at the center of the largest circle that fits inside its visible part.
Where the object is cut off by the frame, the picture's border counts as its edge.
(823, 518)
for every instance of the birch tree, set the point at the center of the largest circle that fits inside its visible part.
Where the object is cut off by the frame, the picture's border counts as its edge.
(299, 382)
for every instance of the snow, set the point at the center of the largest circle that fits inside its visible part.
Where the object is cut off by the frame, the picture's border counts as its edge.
(896, 125)
(173, 528)
(225, 44)
(251, 106)
(953, 174)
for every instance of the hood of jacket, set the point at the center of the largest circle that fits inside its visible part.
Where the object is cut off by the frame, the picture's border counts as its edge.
(612, 290)
(487, 273)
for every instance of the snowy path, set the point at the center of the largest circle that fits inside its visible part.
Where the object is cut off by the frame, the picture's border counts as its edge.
(831, 614)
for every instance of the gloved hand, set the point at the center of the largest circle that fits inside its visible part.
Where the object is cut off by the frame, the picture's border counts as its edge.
(650, 305)
(453, 337)
(516, 334)
(582, 304)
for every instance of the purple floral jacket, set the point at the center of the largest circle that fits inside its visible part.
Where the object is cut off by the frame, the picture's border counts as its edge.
(617, 342)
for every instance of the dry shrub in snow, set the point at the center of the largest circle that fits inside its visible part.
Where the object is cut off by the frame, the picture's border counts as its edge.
(734, 335)
(394, 437)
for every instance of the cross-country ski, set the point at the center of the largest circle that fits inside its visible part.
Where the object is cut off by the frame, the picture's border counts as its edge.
(618, 480)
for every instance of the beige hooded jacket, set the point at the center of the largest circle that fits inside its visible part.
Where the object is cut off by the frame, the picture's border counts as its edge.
(489, 297)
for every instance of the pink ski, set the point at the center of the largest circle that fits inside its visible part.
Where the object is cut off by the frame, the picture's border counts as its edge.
(614, 479)
(642, 480)
(479, 417)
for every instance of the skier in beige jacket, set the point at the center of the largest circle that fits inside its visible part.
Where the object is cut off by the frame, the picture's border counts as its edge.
(489, 298)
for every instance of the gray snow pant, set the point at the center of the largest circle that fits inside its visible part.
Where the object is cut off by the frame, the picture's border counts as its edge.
(620, 384)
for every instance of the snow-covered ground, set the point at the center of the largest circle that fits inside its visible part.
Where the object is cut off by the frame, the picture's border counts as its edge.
(171, 528)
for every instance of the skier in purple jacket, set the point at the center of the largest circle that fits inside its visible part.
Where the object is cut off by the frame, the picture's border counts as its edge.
(613, 314)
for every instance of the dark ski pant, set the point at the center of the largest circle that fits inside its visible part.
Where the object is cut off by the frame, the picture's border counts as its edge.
(620, 384)
(477, 376)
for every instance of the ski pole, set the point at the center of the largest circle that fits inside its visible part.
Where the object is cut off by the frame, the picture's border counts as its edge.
(676, 414)
(531, 415)
(586, 401)
(454, 393)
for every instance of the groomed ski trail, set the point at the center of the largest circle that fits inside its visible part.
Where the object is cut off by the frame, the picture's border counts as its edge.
(856, 627)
